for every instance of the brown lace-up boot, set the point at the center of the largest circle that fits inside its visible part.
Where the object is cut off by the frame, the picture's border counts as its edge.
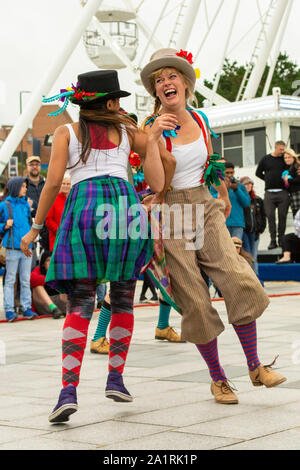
(264, 375)
(169, 334)
(223, 393)
(101, 346)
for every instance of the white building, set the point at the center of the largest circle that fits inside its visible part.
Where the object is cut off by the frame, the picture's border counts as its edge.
(249, 129)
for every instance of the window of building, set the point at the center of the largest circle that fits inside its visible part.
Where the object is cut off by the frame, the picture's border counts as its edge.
(234, 156)
(233, 147)
(217, 145)
(232, 139)
(260, 148)
(295, 138)
(243, 148)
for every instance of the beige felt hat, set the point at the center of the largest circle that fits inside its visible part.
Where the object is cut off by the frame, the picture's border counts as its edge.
(167, 58)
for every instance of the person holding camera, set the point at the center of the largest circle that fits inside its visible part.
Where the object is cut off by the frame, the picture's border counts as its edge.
(239, 199)
(270, 170)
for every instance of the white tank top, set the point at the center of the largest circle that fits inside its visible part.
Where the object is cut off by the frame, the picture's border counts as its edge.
(190, 163)
(100, 162)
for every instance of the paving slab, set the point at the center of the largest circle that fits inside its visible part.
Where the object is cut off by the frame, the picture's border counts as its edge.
(174, 441)
(173, 407)
(109, 432)
(40, 443)
(189, 414)
(203, 375)
(250, 425)
(285, 440)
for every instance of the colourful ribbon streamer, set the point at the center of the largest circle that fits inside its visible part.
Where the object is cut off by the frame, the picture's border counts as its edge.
(214, 171)
(138, 177)
(171, 133)
(68, 94)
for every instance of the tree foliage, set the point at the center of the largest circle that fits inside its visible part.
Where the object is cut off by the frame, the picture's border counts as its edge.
(286, 73)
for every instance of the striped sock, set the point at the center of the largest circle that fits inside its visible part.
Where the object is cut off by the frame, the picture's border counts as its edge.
(210, 354)
(164, 315)
(103, 321)
(248, 338)
(121, 325)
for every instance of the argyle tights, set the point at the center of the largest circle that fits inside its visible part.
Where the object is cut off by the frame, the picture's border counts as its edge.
(80, 307)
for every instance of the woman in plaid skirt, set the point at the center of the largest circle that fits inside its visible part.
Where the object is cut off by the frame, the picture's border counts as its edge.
(104, 233)
(196, 237)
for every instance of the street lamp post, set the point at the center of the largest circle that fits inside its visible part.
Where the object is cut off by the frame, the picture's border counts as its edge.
(21, 110)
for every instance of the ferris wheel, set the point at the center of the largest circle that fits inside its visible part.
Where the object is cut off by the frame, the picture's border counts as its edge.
(119, 34)
(112, 38)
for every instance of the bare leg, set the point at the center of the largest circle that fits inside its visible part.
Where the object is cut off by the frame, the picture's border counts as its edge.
(286, 257)
(40, 296)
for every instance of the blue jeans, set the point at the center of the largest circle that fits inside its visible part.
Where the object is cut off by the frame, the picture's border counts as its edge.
(249, 242)
(236, 232)
(255, 252)
(16, 260)
(251, 245)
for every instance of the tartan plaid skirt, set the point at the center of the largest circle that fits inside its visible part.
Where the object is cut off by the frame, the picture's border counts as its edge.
(104, 234)
(295, 202)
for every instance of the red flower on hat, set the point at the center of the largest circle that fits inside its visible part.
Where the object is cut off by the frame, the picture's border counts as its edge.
(186, 55)
(78, 94)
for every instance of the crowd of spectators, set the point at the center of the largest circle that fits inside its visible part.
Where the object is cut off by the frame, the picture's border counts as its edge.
(24, 290)
(250, 214)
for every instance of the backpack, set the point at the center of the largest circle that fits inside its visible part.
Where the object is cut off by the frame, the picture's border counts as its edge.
(2, 248)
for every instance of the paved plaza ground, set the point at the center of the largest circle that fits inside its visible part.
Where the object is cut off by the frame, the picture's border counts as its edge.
(172, 407)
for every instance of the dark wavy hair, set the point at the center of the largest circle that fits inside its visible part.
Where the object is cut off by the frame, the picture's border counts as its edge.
(46, 254)
(104, 118)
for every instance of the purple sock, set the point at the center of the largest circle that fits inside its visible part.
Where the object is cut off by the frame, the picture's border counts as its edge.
(210, 354)
(248, 338)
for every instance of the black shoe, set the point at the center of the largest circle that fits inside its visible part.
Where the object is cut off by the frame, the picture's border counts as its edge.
(66, 405)
(99, 304)
(57, 313)
(272, 246)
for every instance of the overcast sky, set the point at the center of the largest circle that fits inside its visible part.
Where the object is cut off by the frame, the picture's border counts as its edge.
(32, 33)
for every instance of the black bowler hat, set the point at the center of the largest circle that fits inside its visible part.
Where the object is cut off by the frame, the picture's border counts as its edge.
(99, 81)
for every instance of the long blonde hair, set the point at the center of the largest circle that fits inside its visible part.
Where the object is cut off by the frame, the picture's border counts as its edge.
(293, 154)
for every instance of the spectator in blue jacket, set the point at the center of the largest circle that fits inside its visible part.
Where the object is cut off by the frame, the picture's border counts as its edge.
(15, 218)
(239, 199)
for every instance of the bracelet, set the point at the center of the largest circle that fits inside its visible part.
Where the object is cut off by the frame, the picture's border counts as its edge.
(37, 227)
